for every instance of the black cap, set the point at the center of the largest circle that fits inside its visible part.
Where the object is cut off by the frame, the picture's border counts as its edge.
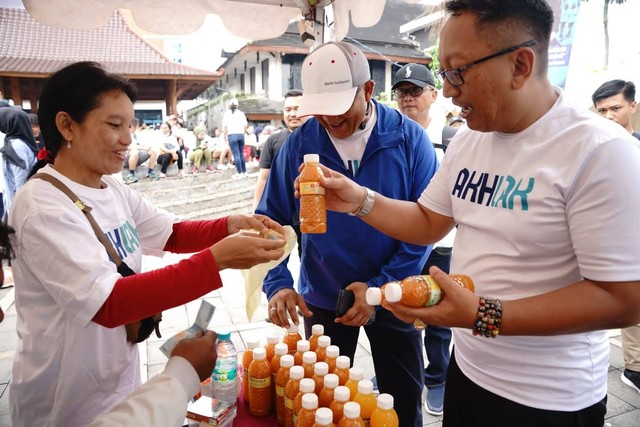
(417, 74)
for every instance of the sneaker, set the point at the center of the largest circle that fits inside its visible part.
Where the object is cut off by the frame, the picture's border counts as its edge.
(163, 175)
(194, 170)
(631, 378)
(131, 179)
(221, 167)
(153, 176)
(434, 403)
(180, 174)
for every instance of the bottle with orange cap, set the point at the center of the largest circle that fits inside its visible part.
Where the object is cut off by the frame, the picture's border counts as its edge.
(340, 397)
(296, 373)
(306, 386)
(333, 351)
(323, 343)
(384, 415)
(259, 384)
(301, 347)
(325, 397)
(366, 399)
(324, 418)
(355, 376)
(247, 357)
(282, 377)
(351, 416)
(317, 331)
(291, 338)
(307, 415)
(308, 362)
(342, 369)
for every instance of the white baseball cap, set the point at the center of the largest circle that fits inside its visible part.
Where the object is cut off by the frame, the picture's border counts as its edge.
(331, 75)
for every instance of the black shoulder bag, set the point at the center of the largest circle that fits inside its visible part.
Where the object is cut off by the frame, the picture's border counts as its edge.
(136, 331)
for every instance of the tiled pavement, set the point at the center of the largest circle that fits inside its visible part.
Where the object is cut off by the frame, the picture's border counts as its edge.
(623, 403)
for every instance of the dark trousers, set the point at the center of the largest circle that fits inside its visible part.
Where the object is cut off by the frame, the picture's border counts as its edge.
(436, 338)
(468, 405)
(397, 357)
(236, 144)
(165, 160)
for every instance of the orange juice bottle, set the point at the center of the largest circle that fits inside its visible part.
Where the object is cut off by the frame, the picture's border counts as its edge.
(306, 386)
(313, 208)
(296, 373)
(259, 384)
(291, 338)
(247, 357)
(333, 351)
(308, 362)
(282, 377)
(323, 342)
(307, 415)
(366, 399)
(384, 415)
(422, 290)
(316, 331)
(376, 296)
(324, 418)
(340, 397)
(280, 350)
(272, 340)
(326, 393)
(351, 417)
(342, 369)
(355, 375)
(320, 369)
(301, 347)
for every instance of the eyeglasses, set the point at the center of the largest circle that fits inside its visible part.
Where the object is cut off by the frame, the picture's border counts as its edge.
(414, 91)
(454, 76)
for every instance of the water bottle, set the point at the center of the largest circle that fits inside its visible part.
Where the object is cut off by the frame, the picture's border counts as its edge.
(224, 380)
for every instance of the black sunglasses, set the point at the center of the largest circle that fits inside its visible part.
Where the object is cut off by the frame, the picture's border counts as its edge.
(454, 76)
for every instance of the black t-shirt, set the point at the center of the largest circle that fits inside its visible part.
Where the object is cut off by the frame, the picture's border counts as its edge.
(271, 147)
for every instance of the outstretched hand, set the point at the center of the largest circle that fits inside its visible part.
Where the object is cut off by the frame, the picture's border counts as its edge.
(260, 223)
(284, 305)
(244, 250)
(341, 193)
(200, 351)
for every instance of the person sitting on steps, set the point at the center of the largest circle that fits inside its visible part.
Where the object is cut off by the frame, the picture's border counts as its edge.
(200, 151)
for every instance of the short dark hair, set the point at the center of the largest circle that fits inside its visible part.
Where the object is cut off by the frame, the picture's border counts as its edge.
(6, 250)
(293, 93)
(614, 87)
(534, 16)
(33, 118)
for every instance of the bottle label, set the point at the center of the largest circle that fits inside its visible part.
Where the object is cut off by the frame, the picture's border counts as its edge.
(225, 371)
(311, 188)
(280, 391)
(288, 403)
(435, 292)
(259, 382)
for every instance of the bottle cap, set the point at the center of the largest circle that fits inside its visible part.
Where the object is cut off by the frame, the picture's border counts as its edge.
(252, 343)
(324, 341)
(259, 353)
(281, 348)
(331, 381)
(286, 361)
(343, 362)
(296, 372)
(365, 387)
(273, 338)
(317, 329)
(333, 351)
(341, 393)
(351, 410)
(293, 328)
(393, 292)
(373, 296)
(307, 385)
(356, 373)
(309, 401)
(303, 345)
(385, 401)
(309, 357)
(321, 369)
(315, 158)
(224, 335)
(324, 416)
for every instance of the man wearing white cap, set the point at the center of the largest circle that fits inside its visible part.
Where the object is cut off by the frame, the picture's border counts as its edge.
(383, 150)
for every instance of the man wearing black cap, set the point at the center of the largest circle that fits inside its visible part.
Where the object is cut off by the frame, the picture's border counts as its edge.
(415, 92)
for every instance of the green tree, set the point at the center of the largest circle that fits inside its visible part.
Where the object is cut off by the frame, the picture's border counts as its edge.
(605, 23)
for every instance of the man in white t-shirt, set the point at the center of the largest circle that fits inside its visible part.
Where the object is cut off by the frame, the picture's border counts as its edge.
(545, 199)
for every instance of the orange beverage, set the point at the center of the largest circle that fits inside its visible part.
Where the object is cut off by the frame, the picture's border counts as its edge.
(282, 377)
(308, 362)
(366, 399)
(313, 208)
(272, 340)
(280, 350)
(324, 418)
(291, 338)
(355, 375)
(342, 369)
(422, 290)
(247, 357)
(307, 415)
(326, 393)
(259, 384)
(316, 331)
(296, 373)
(320, 369)
(340, 397)
(333, 351)
(384, 415)
(301, 347)
(376, 296)
(323, 342)
(306, 386)
(351, 417)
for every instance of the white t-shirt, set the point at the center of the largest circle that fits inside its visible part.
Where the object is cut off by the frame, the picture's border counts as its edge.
(68, 369)
(537, 211)
(235, 122)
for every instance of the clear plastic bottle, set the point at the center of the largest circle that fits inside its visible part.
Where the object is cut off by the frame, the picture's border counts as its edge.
(340, 397)
(301, 347)
(384, 415)
(291, 338)
(324, 418)
(355, 375)
(317, 331)
(282, 378)
(259, 384)
(247, 357)
(366, 399)
(224, 380)
(313, 208)
(415, 291)
(342, 369)
(333, 351)
(351, 417)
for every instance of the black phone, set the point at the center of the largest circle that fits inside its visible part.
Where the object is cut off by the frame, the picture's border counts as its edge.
(346, 298)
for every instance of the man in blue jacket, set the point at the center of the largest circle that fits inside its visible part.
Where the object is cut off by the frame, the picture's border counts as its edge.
(381, 149)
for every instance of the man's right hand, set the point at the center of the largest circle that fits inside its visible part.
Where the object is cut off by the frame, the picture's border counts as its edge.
(284, 305)
(200, 351)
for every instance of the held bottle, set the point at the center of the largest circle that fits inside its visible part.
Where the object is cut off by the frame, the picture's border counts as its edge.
(224, 380)
(415, 291)
(313, 208)
(384, 415)
(247, 357)
(259, 384)
(324, 418)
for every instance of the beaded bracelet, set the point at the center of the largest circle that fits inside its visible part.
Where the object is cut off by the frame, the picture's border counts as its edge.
(489, 318)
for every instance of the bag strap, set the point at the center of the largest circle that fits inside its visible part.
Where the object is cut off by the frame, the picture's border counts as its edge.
(86, 209)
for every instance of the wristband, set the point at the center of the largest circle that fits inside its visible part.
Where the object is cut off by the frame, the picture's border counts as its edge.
(489, 318)
(366, 206)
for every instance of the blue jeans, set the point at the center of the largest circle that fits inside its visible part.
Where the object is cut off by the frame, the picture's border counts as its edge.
(236, 143)
(437, 338)
(397, 357)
